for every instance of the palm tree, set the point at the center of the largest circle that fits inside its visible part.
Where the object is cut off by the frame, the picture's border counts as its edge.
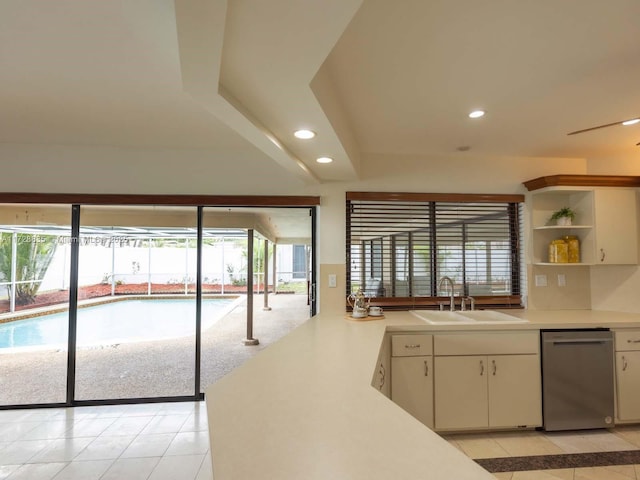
(34, 254)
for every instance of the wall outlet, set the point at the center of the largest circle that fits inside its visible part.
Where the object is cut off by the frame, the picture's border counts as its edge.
(541, 280)
(562, 281)
(333, 280)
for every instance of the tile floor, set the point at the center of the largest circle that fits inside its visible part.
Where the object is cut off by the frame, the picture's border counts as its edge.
(161, 441)
(165, 441)
(515, 444)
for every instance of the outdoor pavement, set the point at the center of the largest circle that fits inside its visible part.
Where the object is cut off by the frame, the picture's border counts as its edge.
(149, 369)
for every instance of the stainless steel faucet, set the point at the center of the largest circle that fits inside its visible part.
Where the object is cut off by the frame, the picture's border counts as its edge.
(452, 305)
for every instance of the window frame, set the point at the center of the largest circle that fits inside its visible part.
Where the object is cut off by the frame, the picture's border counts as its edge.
(407, 240)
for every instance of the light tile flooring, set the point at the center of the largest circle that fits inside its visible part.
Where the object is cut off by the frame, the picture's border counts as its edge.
(164, 441)
(515, 444)
(160, 441)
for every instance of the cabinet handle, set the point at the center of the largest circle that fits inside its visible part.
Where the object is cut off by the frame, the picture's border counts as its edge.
(602, 255)
(495, 368)
(624, 363)
(633, 341)
(426, 369)
(383, 374)
(481, 368)
(412, 345)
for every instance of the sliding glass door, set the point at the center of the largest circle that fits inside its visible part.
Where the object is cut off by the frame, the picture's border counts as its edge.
(34, 302)
(133, 303)
(136, 324)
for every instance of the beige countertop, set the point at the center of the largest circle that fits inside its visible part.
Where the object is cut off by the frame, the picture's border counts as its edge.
(577, 318)
(536, 320)
(304, 408)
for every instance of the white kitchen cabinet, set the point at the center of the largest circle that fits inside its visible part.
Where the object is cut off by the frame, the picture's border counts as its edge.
(412, 375)
(487, 380)
(514, 391)
(412, 386)
(627, 375)
(628, 385)
(497, 391)
(382, 373)
(616, 226)
(461, 393)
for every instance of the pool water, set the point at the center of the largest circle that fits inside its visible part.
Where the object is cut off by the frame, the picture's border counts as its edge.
(116, 322)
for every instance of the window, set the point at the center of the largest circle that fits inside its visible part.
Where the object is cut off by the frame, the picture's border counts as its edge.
(299, 261)
(399, 245)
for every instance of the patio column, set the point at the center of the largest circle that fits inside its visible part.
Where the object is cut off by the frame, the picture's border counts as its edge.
(266, 276)
(186, 266)
(14, 263)
(223, 268)
(250, 340)
(64, 267)
(113, 266)
(149, 268)
(274, 281)
(257, 278)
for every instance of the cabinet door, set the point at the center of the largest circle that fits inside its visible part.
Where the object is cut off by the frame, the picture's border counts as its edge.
(616, 226)
(460, 387)
(515, 397)
(628, 385)
(412, 386)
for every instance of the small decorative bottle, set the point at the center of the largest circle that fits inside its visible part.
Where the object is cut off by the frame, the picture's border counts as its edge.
(558, 251)
(573, 244)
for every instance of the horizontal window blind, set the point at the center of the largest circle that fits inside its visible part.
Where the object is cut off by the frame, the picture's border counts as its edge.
(399, 247)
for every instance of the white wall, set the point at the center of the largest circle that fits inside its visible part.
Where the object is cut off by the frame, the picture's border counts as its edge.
(62, 169)
(612, 166)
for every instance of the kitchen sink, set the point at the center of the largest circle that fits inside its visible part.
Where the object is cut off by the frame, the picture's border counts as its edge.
(468, 317)
(491, 316)
(442, 318)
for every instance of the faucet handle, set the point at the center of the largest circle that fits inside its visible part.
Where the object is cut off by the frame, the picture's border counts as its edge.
(472, 302)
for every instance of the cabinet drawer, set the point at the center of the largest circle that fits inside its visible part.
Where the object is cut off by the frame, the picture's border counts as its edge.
(411, 345)
(486, 343)
(627, 340)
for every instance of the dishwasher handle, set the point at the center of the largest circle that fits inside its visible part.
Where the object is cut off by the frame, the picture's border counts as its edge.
(579, 341)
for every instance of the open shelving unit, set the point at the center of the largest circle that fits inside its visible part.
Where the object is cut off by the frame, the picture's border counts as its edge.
(606, 220)
(544, 203)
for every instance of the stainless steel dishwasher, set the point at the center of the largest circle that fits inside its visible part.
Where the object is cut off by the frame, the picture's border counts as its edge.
(577, 379)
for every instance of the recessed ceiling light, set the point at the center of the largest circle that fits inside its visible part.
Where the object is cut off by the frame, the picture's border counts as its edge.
(476, 114)
(633, 121)
(324, 159)
(304, 134)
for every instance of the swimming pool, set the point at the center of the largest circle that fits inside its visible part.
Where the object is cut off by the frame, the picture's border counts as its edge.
(123, 321)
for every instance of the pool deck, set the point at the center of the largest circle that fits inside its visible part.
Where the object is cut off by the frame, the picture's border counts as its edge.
(147, 369)
(91, 302)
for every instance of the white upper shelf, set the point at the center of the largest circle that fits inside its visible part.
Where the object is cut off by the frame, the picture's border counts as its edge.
(561, 227)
